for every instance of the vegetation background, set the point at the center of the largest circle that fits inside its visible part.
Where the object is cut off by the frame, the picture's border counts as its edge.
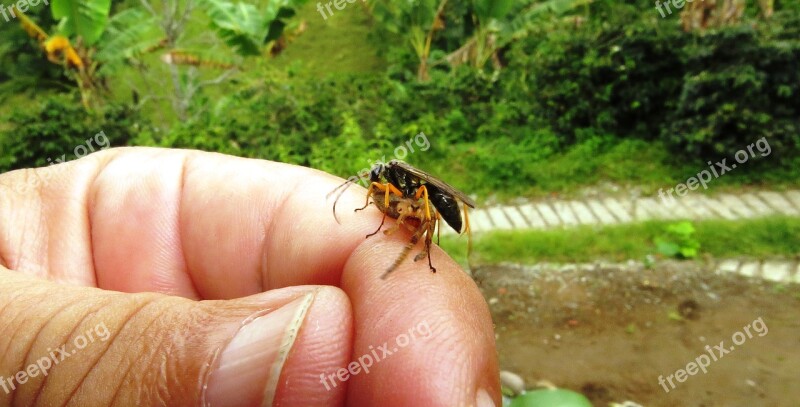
(519, 100)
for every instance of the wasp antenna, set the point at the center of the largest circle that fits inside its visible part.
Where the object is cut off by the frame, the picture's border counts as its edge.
(336, 218)
(344, 185)
(343, 188)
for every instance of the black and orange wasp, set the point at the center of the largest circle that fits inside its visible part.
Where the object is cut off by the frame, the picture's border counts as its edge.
(417, 200)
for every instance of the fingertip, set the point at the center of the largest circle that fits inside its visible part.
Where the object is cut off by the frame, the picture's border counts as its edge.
(446, 367)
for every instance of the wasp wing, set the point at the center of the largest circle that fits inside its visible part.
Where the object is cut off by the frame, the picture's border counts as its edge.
(434, 181)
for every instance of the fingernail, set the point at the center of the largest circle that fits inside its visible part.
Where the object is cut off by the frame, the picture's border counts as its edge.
(483, 399)
(249, 367)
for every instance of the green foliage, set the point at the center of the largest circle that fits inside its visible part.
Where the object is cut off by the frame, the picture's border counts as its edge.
(470, 31)
(608, 94)
(53, 130)
(240, 25)
(22, 71)
(82, 18)
(739, 86)
(620, 80)
(706, 95)
(245, 27)
(488, 9)
(678, 241)
(129, 33)
(337, 154)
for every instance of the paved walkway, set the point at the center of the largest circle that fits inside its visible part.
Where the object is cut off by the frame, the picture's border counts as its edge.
(779, 271)
(547, 214)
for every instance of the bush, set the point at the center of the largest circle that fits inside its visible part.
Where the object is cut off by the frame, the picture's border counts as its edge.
(54, 129)
(706, 94)
(621, 77)
(739, 86)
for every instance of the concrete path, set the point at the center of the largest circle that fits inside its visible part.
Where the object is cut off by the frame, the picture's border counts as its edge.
(547, 214)
(779, 271)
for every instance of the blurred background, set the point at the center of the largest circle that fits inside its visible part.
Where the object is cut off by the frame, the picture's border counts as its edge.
(635, 162)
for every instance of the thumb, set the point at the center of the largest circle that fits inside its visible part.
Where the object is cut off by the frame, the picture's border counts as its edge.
(66, 345)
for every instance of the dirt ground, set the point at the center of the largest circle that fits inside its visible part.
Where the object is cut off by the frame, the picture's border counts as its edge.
(609, 332)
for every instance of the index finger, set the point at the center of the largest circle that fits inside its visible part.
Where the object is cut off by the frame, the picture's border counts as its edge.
(189, 223)
(244, 226)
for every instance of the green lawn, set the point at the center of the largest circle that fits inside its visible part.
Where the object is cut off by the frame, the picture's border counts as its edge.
(755, 238)
(336, 45)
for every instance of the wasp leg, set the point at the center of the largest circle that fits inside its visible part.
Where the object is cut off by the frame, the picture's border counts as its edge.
(423, 191)
(433, 269)
(438, 229)
(429, 226)
(468, 231)
(386, 188)
(379, 227)
(369, 194)
(427, 249)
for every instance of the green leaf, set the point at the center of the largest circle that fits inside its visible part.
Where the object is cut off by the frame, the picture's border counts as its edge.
(83, 18)
(487, 9)
(278, 24)
(688, 252)
(244, 28)
(240, 25)
(551, 398)
(129, 32)
(520, 24)
(668, 249)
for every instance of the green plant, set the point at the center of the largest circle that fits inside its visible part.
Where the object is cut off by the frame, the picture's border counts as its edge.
(52, 131)
(678, 241)
(245, 27)
(85, 19)
(551, 398)
(740, 85)
(415, 22)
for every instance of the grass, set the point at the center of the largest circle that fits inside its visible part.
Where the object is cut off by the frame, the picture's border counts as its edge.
(506, 171)
(336, 45)
(756, 238)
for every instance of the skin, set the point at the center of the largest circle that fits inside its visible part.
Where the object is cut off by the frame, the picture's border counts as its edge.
(172, 250)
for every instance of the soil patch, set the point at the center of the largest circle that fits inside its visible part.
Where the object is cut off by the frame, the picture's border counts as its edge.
(610, 331)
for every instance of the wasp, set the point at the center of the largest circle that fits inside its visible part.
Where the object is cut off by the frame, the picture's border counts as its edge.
(415, 199)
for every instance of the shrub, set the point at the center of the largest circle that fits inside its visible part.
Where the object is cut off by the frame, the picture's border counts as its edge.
(739, 86)
(54, 128)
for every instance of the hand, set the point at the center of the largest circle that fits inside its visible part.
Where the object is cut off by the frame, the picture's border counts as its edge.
(145, 276)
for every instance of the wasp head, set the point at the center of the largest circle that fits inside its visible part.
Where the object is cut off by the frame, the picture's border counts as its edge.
(376, 172)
